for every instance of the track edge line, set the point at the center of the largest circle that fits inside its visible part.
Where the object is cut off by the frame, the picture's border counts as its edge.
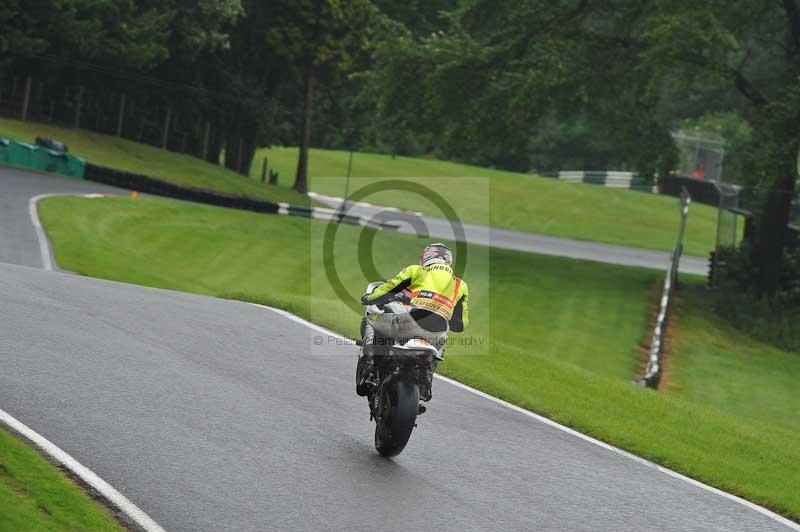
(132, 514)
(128, 512)
(44, 243)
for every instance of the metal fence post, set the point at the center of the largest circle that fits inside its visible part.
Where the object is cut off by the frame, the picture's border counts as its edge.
(78, 108)
(26, 99)
(165, 136)
(206, 140)
(239, 156)
(121, 116)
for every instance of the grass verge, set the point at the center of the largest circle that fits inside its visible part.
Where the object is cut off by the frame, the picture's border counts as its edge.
(714, 363)
(522, 202)
(564, 333)
(34, 495)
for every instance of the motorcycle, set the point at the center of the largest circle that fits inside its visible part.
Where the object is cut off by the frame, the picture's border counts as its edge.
(392, 389)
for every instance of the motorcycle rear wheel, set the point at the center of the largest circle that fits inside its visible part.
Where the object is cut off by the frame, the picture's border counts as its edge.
(399, 418)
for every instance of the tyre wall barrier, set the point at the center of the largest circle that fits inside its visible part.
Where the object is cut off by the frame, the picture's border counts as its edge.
(149, 185)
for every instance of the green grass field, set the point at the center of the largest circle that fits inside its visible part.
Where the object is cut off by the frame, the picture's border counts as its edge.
(564, 334)
(485, 196)
(36, 496)
(516, 201)
(713, 363)
(106, 150)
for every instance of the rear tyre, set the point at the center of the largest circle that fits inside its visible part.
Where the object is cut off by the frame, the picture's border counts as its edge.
(399, 402)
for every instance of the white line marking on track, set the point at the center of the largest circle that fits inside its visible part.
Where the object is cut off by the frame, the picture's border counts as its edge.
(760, 509)
(44, 248)
(111, 495)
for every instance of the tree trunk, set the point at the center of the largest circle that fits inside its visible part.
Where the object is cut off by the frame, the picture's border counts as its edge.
(214, 147)
(771, 231)
(231, 150)
(301, 178)
(248, 151)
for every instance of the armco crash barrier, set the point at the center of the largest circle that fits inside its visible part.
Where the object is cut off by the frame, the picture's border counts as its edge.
(41, 158)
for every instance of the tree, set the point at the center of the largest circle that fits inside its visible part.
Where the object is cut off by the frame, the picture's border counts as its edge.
(628, 69)
(320, 36)
(752, 48)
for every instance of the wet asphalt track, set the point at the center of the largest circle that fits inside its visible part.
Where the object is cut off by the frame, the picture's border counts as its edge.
(222, 416)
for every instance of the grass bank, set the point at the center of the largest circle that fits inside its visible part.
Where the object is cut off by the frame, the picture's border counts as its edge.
(564, 334)
(107, 150)
(34, 495)
(504, 199)
(516, 201)
(716, 364)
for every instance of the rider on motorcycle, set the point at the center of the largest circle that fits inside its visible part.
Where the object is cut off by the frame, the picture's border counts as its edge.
(438, 301)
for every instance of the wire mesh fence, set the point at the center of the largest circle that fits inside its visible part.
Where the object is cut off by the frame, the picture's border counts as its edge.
(728, 216)
(700, 155)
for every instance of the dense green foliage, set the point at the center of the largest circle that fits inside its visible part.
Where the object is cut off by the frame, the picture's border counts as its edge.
(629, 70)
(574, 365)
(237, 65)
(773, 318)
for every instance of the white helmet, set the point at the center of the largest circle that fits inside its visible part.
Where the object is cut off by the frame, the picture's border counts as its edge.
(436, 253)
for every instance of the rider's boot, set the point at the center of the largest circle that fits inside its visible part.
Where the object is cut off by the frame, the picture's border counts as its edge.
(366, 362)
(426, 382)
(425, 390)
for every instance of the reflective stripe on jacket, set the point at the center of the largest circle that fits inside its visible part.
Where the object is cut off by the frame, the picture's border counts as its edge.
(434, 288)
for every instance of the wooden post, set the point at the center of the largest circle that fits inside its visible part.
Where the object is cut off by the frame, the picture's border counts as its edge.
(206, 140)
(52, 112)
(264, 167)
(165, 137)
(26, 99)
(121, 116)
(78, 108)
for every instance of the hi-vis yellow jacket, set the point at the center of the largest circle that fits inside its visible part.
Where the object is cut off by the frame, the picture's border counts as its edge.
(434, 288)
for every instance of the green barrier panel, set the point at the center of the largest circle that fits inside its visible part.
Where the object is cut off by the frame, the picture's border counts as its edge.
(43, 159)
(21, 154)
(40, 158)
(4, 149)
(74, 166)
